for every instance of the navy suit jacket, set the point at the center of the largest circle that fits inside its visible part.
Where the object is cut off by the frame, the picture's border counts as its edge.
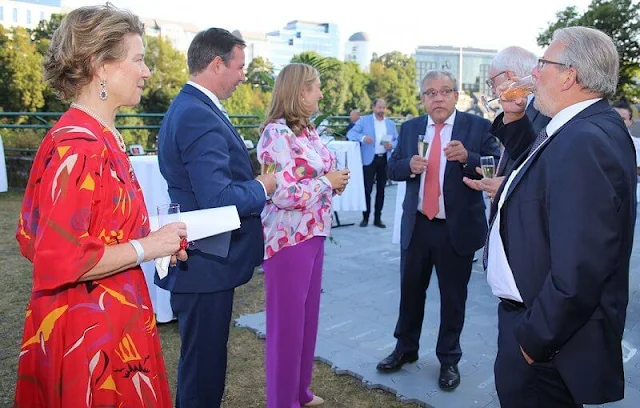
(206, 165)
(464, 207)
(567, 227)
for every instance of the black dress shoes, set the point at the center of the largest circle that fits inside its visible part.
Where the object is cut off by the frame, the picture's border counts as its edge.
(449, 377)
(396, 360)
(379, 224)
(364, 223)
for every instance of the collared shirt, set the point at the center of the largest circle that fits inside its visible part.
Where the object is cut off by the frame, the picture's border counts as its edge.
(216, 102)
(445, 138)
(499, 273)
(380, 127)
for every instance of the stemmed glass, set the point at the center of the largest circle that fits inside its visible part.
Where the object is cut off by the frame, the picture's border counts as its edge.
(423, 146)
(518, 89)
(168, 213)
(487, 163)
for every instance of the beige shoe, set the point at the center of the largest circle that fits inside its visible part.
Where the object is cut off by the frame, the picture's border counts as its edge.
(316, 401)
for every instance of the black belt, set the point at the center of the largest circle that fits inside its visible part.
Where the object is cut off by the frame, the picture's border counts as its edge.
(433, 220)
(381, 154)
(512, 304)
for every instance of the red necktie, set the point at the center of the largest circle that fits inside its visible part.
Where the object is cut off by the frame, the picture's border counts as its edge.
(431, 189)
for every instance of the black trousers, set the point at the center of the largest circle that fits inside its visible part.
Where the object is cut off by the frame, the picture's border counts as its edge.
(376, 172)
(431, 246)
(519, 384)
(203, 320)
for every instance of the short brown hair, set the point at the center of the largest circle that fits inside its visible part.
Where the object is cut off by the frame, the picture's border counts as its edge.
(286, 101)
(87, 37)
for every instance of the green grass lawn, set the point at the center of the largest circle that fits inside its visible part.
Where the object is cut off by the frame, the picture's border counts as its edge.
(245, 379)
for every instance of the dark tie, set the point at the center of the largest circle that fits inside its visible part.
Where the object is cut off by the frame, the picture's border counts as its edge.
(542, 136)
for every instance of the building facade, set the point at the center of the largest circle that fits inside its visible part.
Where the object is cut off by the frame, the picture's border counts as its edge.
(27, 13)
(179, 34)
(470, 66)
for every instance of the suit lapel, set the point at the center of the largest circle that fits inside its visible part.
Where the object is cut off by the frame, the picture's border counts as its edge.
(221, 116)
(459, 132)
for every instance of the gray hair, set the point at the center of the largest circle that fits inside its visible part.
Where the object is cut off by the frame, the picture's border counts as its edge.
(593, 55)
(435, 74)
(516, 59)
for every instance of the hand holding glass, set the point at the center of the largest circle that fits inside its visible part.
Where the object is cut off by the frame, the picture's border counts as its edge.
(168, 213)
(517, 89)
(423, 146)
(487, 163)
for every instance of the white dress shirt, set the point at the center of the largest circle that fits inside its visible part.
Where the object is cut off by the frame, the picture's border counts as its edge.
(216, 102)
(445, 138)
(499, 273)
(380, 127)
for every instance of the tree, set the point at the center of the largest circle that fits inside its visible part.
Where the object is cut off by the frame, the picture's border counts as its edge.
(332, 78)
(169, 73)
(260, 74)
(42, 34)
(393, 78)
(247, 100)
(21, 84)
(356, 83)
(620, 20)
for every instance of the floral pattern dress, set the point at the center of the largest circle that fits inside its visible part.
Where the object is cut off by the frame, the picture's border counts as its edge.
(95, 343)
(300, 208)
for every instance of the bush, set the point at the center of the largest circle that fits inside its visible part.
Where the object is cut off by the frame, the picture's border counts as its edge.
(22, 138)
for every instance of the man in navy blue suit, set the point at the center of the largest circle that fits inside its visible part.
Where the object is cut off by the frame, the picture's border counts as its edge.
(560, 245)
(443, 221)
(206, 165)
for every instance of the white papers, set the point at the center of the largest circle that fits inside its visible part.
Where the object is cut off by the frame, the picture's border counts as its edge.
(200, 224)
(385, 139)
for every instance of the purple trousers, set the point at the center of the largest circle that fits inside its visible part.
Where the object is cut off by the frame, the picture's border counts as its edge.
(292, 283)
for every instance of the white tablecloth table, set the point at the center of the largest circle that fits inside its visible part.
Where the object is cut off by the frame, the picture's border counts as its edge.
(3, 170)
(352, 199)
(154, 189)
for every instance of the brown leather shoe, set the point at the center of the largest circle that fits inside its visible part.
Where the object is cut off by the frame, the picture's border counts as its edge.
(316, 401)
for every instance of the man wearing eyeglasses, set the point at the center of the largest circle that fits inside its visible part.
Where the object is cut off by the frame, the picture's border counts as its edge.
(509, 63)
(559, 248)
(443, 221)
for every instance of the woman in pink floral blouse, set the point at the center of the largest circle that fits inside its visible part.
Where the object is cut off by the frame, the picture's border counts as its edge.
(296, 221)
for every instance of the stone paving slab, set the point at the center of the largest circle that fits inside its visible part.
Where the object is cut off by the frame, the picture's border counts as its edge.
(359, 309)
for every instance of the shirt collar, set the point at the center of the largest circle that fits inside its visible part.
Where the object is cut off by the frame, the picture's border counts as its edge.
(449, 120)
(209, 94)
(567, 114)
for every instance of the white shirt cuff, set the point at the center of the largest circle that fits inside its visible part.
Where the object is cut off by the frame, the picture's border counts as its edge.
(264, 189)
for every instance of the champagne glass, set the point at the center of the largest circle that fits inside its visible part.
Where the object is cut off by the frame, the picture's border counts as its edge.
(268, 168)
(168, 213)
(518, 89)
(342, 164)
(487, 163)
(423, 146)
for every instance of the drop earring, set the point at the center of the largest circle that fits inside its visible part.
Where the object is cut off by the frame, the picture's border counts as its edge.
(103, 95)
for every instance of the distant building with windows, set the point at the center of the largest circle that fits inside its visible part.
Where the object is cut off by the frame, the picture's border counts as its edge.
(27, 13)
(296, 37)
(470, 66)
(257, 45)
(178, 33)
(358, 49)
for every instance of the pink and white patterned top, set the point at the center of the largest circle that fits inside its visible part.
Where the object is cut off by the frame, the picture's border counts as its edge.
(300, 208)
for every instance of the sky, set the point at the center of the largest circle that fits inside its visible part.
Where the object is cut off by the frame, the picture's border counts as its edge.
(491, 24)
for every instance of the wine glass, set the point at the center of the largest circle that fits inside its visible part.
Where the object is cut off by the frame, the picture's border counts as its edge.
(518, 89)
(487, 163)
(268, 168)
(423, 147)
(168, 213)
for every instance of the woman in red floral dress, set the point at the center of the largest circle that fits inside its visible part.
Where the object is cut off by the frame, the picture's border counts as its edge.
(90, 337)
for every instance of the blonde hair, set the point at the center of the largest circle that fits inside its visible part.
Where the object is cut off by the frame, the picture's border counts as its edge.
(87, 37)
(287, 101)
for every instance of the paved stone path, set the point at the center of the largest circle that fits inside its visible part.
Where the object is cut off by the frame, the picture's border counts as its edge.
(359, 308)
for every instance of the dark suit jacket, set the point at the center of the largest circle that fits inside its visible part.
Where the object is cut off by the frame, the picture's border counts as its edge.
(206, 165)
(567, 226)
(515, 147)
(464, 207)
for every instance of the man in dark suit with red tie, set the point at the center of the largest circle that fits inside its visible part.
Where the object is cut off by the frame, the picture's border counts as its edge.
(559, 248)
(443, 220)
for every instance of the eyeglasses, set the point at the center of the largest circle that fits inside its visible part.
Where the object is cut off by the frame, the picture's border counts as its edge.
(432, 93)
(542, 62)
(490, 80)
